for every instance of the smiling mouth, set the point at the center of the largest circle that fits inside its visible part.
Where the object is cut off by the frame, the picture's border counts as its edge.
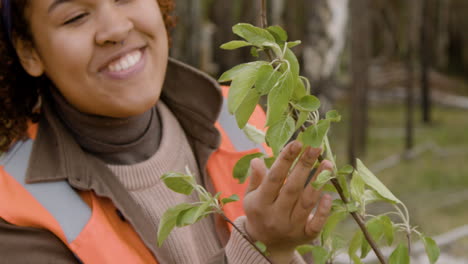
(125, 62)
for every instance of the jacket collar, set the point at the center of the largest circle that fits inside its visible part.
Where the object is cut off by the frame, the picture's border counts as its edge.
(193, 97)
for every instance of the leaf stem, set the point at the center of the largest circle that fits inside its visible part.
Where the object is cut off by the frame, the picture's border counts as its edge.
(245, 237)
(359, 221)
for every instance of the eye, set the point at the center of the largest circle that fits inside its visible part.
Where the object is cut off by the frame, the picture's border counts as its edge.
(75, 19)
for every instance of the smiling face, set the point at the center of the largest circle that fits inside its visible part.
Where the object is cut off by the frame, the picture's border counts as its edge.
(106, 57)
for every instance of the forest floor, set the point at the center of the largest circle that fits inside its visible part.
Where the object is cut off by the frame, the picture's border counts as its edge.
(434, 182)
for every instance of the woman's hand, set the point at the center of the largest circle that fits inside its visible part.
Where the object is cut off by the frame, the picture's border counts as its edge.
(279, 212)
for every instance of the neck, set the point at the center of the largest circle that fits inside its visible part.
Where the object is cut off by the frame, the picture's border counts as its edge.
(114, 140)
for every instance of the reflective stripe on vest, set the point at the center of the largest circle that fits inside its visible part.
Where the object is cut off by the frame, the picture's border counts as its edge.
(57, 207)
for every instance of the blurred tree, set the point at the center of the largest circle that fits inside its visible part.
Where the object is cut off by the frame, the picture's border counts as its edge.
(360, 58)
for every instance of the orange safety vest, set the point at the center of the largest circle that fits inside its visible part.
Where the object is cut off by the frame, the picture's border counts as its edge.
(84, 221)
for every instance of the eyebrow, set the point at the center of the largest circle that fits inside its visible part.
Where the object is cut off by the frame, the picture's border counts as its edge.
(57, 3)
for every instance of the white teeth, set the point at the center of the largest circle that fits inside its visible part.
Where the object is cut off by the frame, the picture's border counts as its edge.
(125, 62)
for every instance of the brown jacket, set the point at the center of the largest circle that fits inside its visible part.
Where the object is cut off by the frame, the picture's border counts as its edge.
(193, 97)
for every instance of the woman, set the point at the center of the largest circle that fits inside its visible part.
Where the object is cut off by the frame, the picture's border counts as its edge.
(114, 113)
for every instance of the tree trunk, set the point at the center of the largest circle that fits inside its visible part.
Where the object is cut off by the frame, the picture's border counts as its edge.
(186, 36)
(429, 22)
(360, 54)
(414, 19)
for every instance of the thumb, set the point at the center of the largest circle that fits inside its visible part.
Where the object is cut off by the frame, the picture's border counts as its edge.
(257, 173)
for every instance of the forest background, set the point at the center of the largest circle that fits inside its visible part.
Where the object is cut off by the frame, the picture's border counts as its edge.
(398, 72)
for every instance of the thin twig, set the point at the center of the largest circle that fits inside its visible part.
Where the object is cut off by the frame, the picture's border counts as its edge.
(246, 238)
(265, 25)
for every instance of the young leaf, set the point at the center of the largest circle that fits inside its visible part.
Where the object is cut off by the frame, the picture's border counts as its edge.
(235, 44)
(280, 133)
(230, 199)
(254, 134)
(240, 88)
(267, 77)
(255, 35)
(322, 178)
(354, 245)
(168, 221)
(279, 33)
(331, 223)
(308, 103)
(192, 215)
(374, 182)
(314, 135)
(301, 119)
(357, 188)
(254, 52)
(388, 230)
(239, 69)
(246, 108)
(432, 250)
(346, 170)
(262, 247)
(333, 116)
(319, 254)
(269, 161)
(178, 182)
(241, 169)
(293, 62)
(374, 227)
(299, 90)
(278, 99)
(293, 44)
(399, 255)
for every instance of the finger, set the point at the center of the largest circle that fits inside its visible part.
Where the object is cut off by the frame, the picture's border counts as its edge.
(294, 186)
(317, 221)
(272, 183)
(257, 173)
(310, 195)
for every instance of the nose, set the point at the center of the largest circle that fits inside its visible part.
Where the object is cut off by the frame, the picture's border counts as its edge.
(114, 27)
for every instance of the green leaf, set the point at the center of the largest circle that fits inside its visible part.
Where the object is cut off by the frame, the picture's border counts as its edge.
(235, 44)
(357, 188)
(299, 90)
(354, 245)
(432, 250)
(255, 35)
(241, 169)
(239, 70)
(388, 230)
(254, 134)
(399, 255)
(329, 188)
(374, 227)
(319, 254)
(333, 116)
(278, 99)
(279, 33)
(371, 196)
(322, 178)
(371, 180)
(267, 78)
(246, 108)
(293, 44)
(331, 223)
(308, 103)
(240, 88)
(293, 62)
(254, 52)
(178, 182)
(269, 161)
(280, 133)
(230, 199)
(168, 221)
(301, 119)
(261, 246)
(346, 170)
(314, 135)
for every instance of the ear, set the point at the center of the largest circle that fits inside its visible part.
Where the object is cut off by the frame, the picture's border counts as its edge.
(29, 58)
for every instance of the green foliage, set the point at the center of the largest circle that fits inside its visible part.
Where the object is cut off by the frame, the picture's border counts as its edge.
(292, 110)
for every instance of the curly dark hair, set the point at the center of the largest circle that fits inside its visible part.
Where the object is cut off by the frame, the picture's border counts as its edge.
(19, 92)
